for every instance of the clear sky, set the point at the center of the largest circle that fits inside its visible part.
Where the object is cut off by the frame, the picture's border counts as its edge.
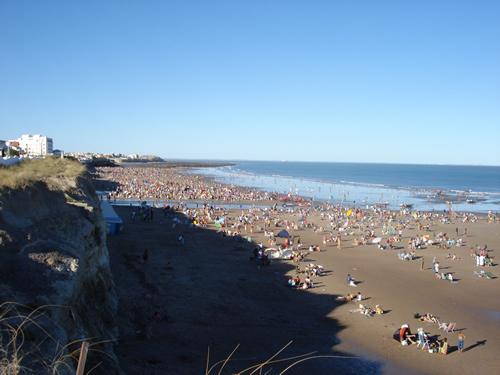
(354, 81)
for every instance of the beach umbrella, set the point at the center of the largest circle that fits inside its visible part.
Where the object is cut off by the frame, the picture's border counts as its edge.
(176, 220)
(265, 215)
(221, 220)
(300, 220)
(287, 253)
(349, 213)
(376, 240)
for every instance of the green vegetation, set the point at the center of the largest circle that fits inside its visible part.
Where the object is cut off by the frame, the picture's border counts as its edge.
(30, 171)
(13, 152)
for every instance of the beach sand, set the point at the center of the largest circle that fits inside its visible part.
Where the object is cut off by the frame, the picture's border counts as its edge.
(217, 298)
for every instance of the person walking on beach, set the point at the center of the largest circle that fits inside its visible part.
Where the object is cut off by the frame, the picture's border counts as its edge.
(350, 280)
(145, 257)
(461, 339)
(339, 241)
(422, 264)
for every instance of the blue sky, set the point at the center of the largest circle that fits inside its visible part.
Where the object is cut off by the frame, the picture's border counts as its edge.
(354, 81)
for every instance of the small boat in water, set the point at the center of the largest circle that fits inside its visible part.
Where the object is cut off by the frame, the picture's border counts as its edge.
(382, 204)
(406, 205)
(469, 201)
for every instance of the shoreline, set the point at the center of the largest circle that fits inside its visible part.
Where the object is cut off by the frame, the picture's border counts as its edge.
(420, 196)
(413, 291)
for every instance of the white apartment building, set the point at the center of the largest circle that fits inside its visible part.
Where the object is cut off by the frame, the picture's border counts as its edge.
(35, 145)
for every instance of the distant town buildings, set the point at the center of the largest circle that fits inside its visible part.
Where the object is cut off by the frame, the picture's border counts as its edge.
(33, 145)
(30, 146)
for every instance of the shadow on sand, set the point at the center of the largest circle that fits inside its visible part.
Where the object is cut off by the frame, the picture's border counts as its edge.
(218, 299)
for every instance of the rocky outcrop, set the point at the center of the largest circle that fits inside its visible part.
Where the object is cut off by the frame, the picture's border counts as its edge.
(54, 261)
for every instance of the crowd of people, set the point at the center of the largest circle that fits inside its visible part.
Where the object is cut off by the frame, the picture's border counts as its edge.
(171, 184)
(339, 221)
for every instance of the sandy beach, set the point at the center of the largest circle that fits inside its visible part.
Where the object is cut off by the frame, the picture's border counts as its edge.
(216, 297)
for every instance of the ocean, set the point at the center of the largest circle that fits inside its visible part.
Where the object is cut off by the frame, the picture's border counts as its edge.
(427, 187)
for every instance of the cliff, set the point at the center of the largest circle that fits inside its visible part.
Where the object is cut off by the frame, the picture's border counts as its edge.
(55, 268)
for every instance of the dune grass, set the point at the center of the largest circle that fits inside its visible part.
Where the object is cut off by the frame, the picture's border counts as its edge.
(258, 368)
(21, 350)
(29, 171)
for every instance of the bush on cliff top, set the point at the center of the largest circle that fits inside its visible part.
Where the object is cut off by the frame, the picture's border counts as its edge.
(29, 171)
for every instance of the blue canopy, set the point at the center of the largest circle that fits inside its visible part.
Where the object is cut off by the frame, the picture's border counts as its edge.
(284, 233)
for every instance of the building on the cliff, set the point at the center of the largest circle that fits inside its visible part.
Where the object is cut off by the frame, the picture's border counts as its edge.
(35, 145)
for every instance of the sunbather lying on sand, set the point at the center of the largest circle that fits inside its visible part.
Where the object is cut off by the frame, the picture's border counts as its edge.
(428, 318)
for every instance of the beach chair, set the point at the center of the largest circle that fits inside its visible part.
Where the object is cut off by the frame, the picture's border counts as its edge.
(450, 328)
(422, 339)
(443, 276)
(442, 325)
(488, 275)
(446, 327)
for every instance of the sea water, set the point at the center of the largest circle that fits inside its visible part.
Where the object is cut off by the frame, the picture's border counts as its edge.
(427, 187)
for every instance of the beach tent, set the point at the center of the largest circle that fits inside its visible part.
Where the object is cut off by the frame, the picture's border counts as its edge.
(176, 220)
(218, 225)
(272, 253)
(283, 233)
(396, 334)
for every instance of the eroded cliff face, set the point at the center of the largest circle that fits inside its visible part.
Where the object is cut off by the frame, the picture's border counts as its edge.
(53, 253)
